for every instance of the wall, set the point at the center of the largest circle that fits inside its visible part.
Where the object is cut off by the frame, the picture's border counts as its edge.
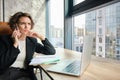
(34, 7)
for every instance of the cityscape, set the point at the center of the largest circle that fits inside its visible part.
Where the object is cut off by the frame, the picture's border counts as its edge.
(103, 23)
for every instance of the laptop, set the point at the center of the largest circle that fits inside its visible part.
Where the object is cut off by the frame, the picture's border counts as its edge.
(72, 66)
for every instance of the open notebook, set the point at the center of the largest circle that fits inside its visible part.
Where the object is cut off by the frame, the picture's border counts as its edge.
(75, 67)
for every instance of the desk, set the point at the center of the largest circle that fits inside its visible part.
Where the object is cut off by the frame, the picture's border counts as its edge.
(99, 68)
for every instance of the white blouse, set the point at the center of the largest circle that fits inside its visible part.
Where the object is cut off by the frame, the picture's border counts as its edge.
(21, 56)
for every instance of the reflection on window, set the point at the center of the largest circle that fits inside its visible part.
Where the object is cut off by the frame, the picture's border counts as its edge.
(56, 23)
(77, 1)
(104, 23)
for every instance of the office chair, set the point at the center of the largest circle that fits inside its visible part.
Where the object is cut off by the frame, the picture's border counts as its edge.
(4, 28)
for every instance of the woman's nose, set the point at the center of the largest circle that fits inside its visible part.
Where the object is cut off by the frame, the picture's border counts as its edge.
(26, 25)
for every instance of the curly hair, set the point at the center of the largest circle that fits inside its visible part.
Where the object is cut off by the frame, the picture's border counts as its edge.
(15, 19)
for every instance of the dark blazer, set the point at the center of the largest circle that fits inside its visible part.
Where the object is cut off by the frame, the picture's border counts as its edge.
(8, 53)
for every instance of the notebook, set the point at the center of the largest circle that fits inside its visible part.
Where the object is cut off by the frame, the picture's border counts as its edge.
(44, 59)
(75, 67)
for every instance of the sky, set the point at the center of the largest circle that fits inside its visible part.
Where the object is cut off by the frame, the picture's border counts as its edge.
(57, 12)
(79, 21)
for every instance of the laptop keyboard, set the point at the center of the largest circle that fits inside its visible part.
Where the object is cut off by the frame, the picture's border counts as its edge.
(73, 67)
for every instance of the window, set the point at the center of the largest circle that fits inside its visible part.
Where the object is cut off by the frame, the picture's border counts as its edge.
(118, 52)
(100, 31)
(77, 48)
(100, 48)
(100, 17)
(100, 40)
(78, 31)
(56, 22)
(104, 24)
(84, 24)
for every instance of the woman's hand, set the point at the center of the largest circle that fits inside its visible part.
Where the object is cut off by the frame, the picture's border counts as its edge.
(15, 35)
(35, 35)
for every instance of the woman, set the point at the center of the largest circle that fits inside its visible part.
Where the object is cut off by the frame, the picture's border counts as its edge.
(17, 49)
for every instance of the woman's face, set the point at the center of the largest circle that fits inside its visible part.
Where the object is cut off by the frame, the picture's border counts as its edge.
(24, 25)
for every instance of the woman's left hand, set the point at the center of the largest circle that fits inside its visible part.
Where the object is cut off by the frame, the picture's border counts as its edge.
(35, 35)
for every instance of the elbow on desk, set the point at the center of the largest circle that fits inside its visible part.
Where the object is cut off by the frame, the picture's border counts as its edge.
(51, 52)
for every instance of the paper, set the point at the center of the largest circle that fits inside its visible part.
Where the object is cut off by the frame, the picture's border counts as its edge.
(44, 59)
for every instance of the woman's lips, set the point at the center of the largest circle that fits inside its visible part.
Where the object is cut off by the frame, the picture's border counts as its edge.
(25, 30)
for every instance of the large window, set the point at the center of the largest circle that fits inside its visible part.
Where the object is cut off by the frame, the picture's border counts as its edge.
(104, 24)
(84, 24)
(56, 22)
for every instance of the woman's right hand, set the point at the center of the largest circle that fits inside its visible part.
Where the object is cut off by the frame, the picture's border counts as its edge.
(15, 36)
